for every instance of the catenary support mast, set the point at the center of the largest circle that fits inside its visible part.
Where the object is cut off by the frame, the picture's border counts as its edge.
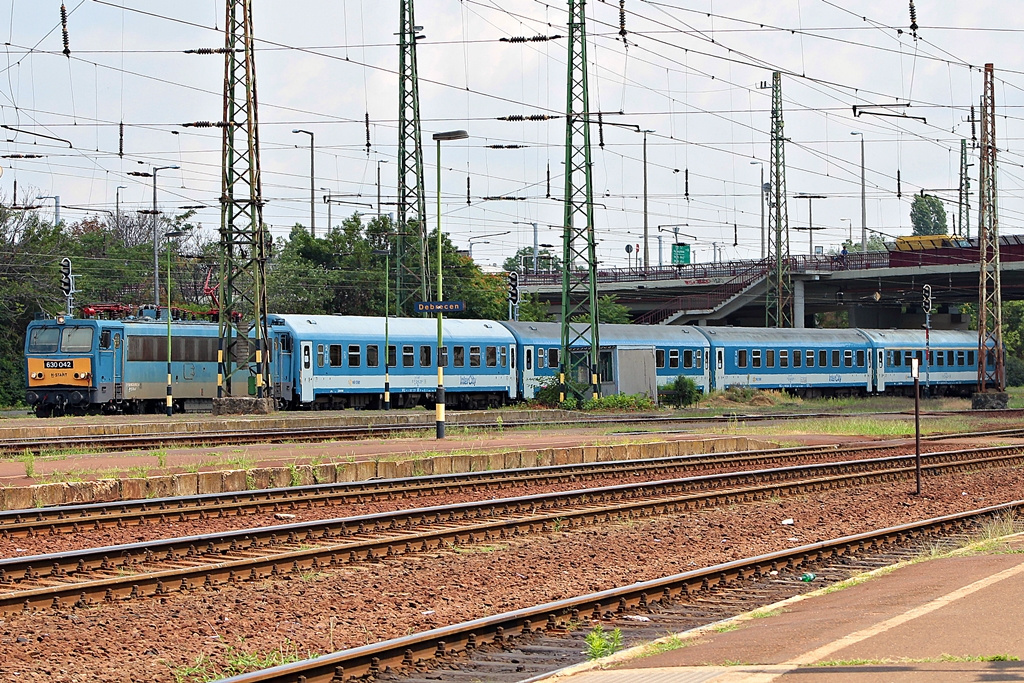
(990, 298)
(779, 294)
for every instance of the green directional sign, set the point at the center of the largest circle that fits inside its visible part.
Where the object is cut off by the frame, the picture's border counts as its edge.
(680, 254)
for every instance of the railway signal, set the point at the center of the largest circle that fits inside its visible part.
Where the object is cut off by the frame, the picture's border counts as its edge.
(66, 284)
(513, 288)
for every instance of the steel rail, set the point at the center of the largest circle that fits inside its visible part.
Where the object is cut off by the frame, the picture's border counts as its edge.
(57, 579)
(507, 627)
(72, 518)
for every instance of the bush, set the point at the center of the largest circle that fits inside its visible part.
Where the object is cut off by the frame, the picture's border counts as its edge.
(627, 402)
(682, 392)
(1014, 371)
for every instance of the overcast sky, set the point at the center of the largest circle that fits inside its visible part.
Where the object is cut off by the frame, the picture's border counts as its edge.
(690, 71)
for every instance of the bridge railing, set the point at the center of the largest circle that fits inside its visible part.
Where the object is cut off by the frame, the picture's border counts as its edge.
(707, 301)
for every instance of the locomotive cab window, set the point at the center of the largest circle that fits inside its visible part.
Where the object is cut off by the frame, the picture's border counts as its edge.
(334, 355)
(408, 356)
(105, 339)
(372, 351)
(286, 343)
(459, 355)
(474, 356)
(76, 339)
(659, 358)
(354, 356)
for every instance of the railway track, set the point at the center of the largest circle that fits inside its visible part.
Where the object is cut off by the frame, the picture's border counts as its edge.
(489, 638)
(87, 577)
(101, 442)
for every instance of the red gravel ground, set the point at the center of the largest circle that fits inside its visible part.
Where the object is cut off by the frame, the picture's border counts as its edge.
(156, 640)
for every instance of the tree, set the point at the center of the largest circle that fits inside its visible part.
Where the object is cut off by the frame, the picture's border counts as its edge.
(532, 309)
(609, 312)
(547, 261)
(928, 215)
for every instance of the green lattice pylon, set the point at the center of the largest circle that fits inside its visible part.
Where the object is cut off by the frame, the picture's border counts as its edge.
(412, 279)
(964, 203)
(580, 336)
(243, 253)
(779, 293)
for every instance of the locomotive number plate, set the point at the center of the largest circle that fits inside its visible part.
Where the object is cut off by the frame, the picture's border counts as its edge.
(59, 364)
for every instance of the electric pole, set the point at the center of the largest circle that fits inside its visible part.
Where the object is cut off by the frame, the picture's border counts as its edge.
(779, 293)
(990, 301)
(412, 278)
(579, 254)
(964, 201)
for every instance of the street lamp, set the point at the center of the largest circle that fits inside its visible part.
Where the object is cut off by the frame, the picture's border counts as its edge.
(156, 235)
(481, 237)
(170, 390)
(647, 254)
(439, 409)
(327, 201)
(863, 197)
(849, 225)
(312, 184)
(762, 193)
(56, 207)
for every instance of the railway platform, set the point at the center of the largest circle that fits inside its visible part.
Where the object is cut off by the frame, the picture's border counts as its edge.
(950, 619)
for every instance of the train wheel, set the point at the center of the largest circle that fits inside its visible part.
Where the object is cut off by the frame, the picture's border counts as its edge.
(44, 411)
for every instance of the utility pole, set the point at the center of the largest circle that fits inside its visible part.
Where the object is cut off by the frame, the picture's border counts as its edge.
(964, 200)
(779, 294)
(579, 252)
(647, 254)
(863, 197)
(990, 301)
(413, 277)
(243, 296)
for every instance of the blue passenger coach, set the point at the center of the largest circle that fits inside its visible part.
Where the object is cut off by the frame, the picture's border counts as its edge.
(809, 362)
(338, 361)
(673, 351)
(951, 367)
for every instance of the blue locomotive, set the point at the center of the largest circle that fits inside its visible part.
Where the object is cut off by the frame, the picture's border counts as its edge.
(84, 365)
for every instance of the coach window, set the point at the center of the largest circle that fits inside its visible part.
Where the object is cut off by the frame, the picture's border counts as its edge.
(687, 358)
(319, 355)
(698, 360)
(425, 354)
(970, 358)
(919, 355)
(408, 356)
(334, 355)
(354, 356)
(492, 356)
(659, 358)
(848, 358)
(897, 358)
(951, 358)
(372, 351)
(392, 361)
(504, 357)
(76, 339)
(673, 358)
(769, 358)
(907, 356)
(553, 358)
(940, 359)
(755, 358)
(822, 358)
(741, 358)
(797, 357)
(835, 358)
(442, 357)
(459, 356)
(810, 358)
(474, 356)
(783, 359)
(305, 357)
(529, 359)
(540, 358)
(860, 358)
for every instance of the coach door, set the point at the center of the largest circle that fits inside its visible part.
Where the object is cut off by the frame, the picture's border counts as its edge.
(879, 370)
(717, 371)
(306, 373)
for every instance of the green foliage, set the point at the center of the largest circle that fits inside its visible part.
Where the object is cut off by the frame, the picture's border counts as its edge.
(624, 402)
(683, 392)
(601, 643)
(609, 311)
(1014, 371)
(547, 261)
(875, 243)
(928, 215)
(532, 309)
(29, 460)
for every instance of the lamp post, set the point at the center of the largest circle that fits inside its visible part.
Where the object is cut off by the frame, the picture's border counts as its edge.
(439, 403)
(156, 235)
(849, 225)
(327, 201)
(170, 389)
(647, 252)
(478, 238)
(762, 193)
(312, 184)
(56, 207)
(379, 162)
(863, 198)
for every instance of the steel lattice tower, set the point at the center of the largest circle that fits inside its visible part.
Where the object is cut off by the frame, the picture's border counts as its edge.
(990, 298)
(243, 297)
(779, 293)
(964, 200)
(580, 338)
(412, 278)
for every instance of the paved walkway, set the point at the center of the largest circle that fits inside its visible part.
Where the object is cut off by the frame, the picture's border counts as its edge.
(943, 620)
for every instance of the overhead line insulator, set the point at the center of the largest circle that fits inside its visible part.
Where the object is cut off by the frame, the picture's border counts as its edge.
(64, 29)
(528, 117)
(506, 146)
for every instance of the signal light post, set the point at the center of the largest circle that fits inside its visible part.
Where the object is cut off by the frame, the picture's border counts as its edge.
(513, 295)
(67, 284)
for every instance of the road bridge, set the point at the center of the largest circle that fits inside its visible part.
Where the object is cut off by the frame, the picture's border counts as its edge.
(876, 289)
